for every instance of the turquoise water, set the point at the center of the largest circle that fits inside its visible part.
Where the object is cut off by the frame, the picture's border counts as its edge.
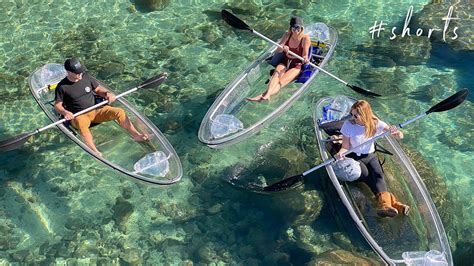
(60, 206)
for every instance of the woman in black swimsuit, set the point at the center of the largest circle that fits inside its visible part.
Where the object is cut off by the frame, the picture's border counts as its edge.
(293, 40)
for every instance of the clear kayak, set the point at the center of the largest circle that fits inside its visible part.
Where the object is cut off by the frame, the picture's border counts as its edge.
(416, 239)
(153, 162)
(232, 118)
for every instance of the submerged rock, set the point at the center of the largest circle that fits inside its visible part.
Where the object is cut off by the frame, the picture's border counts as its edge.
(342, 257)
(439, 192)
(215, 209)
(132, 256)
(410, 50)
(458, 139)
(432, 17)
(279, 162)
(277, 258)
(300, 209)
(463, 254)
(112, 69)
(122, 211)
(151, 5)
(306, 238)
(244, 7)
(206, 253)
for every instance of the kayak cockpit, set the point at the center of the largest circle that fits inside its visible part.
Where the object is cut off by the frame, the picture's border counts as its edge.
(416, 238)
(153, 162)
(233, 118)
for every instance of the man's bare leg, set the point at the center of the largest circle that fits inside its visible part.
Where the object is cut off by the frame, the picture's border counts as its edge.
(88, 139)
(137, 136)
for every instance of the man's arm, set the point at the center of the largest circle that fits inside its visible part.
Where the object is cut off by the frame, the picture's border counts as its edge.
(58, 105)
(103, 92)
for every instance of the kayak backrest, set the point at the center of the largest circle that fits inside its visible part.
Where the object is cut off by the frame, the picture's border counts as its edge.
(333, 127)
(307, 70)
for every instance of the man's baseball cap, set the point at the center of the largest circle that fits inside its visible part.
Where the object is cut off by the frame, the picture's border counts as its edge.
(73, 65)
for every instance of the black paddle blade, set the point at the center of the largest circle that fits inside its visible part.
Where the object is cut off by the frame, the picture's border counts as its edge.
(450, 102)
(154, 81)
(362, 91)
(284, 184)
(15, 142)
(234, 21)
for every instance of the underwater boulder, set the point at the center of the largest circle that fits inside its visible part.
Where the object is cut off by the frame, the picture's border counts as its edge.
(277, 258)
(431, 17)
(122, 210)
(244, 7)
(342, 257)
(280, 162)
(132, 256)
(443, 199)
(151, 5)
(463, 253)
(300, 208)
(309, 239)
(112, 69)
(409, 50)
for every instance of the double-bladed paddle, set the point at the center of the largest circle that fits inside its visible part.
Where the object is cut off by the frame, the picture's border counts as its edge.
(19, 140)
(237, 23)
(447, 104)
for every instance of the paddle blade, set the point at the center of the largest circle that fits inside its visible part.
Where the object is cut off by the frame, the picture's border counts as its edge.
(284, 184)
(15, 142)
(450, 102)
(234, 21)
(154, 81)
(362, 91)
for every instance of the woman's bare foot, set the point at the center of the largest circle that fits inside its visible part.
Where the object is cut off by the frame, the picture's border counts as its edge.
(255, 99)
(141, 137)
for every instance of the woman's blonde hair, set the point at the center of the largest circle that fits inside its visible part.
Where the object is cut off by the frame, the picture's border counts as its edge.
(366, 116)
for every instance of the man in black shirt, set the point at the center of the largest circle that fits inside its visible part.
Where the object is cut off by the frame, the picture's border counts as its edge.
(76, 92)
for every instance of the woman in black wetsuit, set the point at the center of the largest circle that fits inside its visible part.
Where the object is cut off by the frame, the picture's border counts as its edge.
(356, 131)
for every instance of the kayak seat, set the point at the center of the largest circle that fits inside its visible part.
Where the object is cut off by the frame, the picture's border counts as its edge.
(381, 149)
(67, 123)
(333, 127)
(383, 152)
(307, 70)
(334, 144)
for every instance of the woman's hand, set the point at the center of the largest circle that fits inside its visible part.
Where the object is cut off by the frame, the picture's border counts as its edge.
(286, 49)
(305, 61)
(339, 156)
(395, 132)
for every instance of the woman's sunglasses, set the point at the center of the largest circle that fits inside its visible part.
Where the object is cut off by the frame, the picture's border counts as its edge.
(296, 28)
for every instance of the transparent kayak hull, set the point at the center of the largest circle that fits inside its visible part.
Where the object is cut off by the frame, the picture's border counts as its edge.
(119, 150)
(416, 238)
(232, 118)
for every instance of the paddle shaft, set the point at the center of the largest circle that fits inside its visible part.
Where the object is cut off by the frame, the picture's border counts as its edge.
(297, 56)
(329, 161)
(84, 111)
